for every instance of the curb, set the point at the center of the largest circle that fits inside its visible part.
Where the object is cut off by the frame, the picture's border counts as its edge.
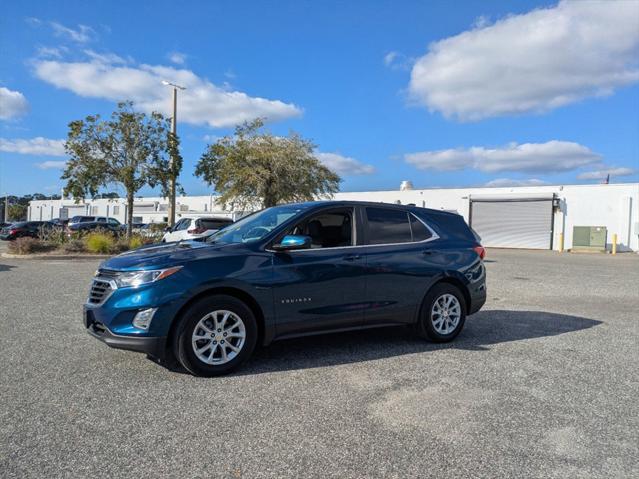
(55, 256)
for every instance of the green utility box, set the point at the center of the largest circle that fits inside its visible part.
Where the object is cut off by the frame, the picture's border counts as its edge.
(589, 238)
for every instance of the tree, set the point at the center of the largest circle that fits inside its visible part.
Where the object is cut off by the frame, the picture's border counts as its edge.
(130, 149)
(254, 167)
(106, 196)
(17, 212)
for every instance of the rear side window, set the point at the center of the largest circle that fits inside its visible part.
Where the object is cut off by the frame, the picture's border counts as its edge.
(213, 224)
(386, 226)
(419, 230)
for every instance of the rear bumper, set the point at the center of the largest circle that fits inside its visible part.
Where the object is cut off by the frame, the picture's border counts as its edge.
(478, 299)
(152, 345)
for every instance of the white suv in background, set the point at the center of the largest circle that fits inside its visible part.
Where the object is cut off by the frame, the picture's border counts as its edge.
(194, 228)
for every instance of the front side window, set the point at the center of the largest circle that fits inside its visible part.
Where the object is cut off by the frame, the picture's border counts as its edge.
(256, 226)
(331, 229)
(388, 226)
(113, 221)
(183, 225)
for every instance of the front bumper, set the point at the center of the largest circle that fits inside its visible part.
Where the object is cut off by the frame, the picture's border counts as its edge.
(152, 345)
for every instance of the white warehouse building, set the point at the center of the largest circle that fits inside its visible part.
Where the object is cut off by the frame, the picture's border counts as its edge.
(510, 217)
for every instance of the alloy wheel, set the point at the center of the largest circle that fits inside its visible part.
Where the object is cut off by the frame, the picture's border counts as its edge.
(446, 313)
(218, 337)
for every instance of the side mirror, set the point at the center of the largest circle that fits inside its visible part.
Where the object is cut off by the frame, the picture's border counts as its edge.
(292, 243)
(168, 229)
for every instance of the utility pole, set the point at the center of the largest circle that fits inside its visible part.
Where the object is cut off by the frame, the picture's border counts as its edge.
(173, 179)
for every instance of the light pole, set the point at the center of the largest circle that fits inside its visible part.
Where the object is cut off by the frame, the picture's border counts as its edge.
(174, 131)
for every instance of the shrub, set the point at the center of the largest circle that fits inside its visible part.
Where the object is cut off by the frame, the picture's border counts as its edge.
(100, 243)
(136, 242)
(27, 246)
(74, 246)
(54, 236)
(120, 246)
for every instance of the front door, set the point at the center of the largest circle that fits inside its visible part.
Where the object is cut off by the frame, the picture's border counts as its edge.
(179, 230)
(324, 287)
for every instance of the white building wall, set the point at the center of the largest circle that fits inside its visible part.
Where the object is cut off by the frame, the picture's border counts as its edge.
(614, 206)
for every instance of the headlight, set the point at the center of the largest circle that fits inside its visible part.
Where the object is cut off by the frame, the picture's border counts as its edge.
(138, 278)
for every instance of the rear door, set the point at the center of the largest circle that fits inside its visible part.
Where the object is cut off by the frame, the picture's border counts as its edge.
(400, 260)
(323, 287)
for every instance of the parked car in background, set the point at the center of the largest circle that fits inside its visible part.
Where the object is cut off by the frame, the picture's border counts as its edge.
(198, 227)
(136, 226)
(23, 229)
(286, 271)
(101, 222)
(92, 219)
(60, 222)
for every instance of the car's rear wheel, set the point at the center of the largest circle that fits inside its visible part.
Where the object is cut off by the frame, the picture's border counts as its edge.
(443, 313)
(215, 336)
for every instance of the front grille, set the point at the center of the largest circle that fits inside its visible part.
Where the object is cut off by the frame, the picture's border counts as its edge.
(102, 286)
(100, 291)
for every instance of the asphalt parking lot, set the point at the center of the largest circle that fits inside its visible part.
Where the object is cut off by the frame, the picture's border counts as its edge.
(541, 383)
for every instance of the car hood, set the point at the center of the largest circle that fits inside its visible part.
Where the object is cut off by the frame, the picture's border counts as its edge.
(165, 255)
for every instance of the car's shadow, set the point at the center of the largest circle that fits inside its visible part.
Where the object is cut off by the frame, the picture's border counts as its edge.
(6, 267)
(482, 330)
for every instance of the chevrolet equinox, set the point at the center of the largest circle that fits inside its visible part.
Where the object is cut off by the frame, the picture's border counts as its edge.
(291, 270)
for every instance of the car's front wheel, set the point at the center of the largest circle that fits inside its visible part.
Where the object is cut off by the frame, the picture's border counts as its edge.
(443, 313)
(215, 335)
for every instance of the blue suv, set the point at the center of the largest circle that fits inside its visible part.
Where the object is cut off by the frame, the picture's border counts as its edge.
(286, 271)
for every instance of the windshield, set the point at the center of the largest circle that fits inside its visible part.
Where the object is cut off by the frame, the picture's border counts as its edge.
(256, 226)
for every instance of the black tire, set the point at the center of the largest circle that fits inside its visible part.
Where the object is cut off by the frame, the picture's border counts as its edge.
(183, 345)
(425, 326)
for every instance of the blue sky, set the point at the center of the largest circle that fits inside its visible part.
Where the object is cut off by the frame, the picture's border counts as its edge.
(440, 93)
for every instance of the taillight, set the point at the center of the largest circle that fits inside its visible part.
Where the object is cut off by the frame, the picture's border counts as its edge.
(196, 231)
(13, 232)
(481, 251)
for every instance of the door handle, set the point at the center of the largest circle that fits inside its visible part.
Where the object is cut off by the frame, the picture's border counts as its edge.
(352, 257)
(427, 252)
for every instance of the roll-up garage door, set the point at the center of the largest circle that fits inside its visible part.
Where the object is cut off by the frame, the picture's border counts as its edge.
(523, 223)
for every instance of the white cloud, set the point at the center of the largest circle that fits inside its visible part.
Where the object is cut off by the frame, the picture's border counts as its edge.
(12, 103)
(504, 182)
(389, 58)
(51, 52)
(33, 21)
(82, 34)
(603, 174)
(202, 103)
(177, 58)
(551, 157)
(51, 165)
(533, 62)
(398, 61)
(107, 58)
(344, 165)
(33, 146)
